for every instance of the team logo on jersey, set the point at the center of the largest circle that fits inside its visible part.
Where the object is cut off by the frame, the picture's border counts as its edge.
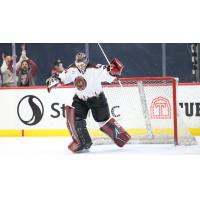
(35, 110)
(80, 83)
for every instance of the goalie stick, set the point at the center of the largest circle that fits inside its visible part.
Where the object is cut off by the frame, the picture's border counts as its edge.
(116, 132)
(104, 54)
(142, 97)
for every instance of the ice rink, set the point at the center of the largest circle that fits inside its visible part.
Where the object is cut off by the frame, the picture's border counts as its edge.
(57, 146)
(43, 168)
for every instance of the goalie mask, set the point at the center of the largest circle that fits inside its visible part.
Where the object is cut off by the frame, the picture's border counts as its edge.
(81, 61)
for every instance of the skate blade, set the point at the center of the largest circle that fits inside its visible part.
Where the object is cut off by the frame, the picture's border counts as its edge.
(82, 151)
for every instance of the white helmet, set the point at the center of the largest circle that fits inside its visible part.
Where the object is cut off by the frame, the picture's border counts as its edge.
(81, 61)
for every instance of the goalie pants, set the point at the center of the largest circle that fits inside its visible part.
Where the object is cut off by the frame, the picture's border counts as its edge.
(100, 112)
(97, 104)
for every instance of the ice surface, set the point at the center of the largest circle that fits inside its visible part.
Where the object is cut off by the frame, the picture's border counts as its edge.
(58, 146)
(43, 169)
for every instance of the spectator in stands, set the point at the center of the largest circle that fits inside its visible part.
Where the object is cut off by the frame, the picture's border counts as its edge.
(7, 75)
(26, 70)
(58, 67)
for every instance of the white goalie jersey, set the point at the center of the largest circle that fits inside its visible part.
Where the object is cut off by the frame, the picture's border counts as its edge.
(87, 83)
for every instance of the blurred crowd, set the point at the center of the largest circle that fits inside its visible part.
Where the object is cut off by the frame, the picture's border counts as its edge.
(17, 73)
(23, 71)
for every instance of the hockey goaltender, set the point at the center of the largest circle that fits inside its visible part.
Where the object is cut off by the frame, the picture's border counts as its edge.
(89, 94)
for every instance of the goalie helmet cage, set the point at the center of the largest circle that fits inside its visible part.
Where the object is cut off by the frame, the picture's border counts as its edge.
(148, 109)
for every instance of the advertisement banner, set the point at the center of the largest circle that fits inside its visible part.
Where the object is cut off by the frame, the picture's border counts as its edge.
(29, 109)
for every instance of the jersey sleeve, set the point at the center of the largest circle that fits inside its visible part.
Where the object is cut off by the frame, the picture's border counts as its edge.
(104, 74)
(65, 77)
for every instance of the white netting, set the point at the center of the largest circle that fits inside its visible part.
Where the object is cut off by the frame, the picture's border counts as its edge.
(145, 108)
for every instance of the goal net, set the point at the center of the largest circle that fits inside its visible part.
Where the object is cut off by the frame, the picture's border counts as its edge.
(148, 109)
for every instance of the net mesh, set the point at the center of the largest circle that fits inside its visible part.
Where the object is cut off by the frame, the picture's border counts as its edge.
(145, 109)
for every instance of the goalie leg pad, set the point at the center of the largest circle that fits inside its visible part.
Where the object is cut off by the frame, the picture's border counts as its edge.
(77, 128)
(71, 122)
(116, 132)
(74, 146)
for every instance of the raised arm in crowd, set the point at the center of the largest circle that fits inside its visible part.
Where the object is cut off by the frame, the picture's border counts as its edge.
(25, 70)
